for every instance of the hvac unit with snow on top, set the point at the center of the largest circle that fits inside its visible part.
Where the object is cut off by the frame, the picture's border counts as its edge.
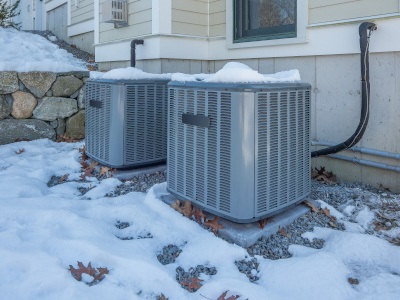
(240, 151)
(126, 121)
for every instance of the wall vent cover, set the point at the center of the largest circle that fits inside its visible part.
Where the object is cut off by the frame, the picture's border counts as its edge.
(126, 121)
(115, 11)
(240, 151)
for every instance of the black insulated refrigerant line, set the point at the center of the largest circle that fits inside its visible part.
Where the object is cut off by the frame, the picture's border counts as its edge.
(365, 31)
(133, 51)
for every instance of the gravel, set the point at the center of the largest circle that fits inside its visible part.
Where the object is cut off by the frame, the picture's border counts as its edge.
(139, 183)
(184, 278)
(169, 254)
(385, 206)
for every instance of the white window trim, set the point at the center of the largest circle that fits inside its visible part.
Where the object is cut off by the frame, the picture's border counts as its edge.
(302, 23)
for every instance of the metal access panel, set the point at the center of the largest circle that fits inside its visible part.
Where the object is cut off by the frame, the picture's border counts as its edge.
(240, 151)
(126, 122)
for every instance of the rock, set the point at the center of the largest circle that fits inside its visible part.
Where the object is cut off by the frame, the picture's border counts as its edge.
(8, 82)
(81, 98)
(74, 95)
(77, 74)
(14, 130)
(51, 108)
(66, 86)
(60, 130)
(75, 126)
(5, 107)
(38, 83)
(49, 93)
(23, 105)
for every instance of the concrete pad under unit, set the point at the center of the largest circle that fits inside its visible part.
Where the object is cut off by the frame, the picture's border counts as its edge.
(246, 235)
(126, 174)
(243, 235)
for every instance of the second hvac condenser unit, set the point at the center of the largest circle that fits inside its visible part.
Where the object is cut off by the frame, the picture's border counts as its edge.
(240, 151)
(126, 121)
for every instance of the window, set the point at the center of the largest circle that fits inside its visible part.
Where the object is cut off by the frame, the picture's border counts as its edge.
(256, 20)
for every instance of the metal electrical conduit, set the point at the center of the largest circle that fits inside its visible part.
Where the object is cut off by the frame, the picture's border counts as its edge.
(364, 161)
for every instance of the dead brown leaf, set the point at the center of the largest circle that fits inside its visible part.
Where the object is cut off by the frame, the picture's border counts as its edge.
(312, 206)
(332, 224)
(63, 178)
(199, 216)
(323, 175)
(162, 297)
(193, 284)
(104, 170)
(96, 273)
(283, 232)
(223, 295)
(77, 273)
(184, 208)
(187, 209)
(213, 224)
(262, 223)
(20, 151)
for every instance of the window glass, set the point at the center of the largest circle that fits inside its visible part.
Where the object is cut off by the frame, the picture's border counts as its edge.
(256, 20)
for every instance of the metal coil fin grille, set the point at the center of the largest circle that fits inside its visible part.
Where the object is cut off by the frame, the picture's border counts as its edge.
(97, 120)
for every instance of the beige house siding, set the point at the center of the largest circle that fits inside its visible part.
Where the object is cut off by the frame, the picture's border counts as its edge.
(139, 20)
(190, 17)
(321, 11)
(217, 18)
(84, 11)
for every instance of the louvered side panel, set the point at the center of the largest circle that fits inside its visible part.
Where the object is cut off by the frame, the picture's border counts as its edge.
(190, 144)
(201, 135)
(181, 161)
(146, 136)
(282, 141)
(292, 147)
(212, 151)
(273, 157)
(225, 142)
(97, 120)
(307, 150)
(172, 137)
(283, 172)
(262, 140)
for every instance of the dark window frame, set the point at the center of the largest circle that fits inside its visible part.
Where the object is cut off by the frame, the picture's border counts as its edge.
(241, 35)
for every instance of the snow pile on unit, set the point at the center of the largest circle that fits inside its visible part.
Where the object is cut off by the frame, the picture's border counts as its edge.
(25, 52)
(131, 73)
(240, 73)
(234, 72)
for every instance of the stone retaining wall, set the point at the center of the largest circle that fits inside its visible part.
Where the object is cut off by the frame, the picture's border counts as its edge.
(36, 105)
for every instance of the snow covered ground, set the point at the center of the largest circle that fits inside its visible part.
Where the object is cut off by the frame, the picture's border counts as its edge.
(24, 52)
(44, 230)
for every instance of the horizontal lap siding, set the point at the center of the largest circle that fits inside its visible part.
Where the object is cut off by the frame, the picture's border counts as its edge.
(321, 11)
(140, 16)
(217, 17)
(84, 11)
(190, 17)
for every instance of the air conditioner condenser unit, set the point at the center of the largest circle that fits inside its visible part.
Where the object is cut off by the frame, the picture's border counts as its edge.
(126, 121)
(240, 151)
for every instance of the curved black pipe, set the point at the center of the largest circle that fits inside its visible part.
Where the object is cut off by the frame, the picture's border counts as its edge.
(365, 31)
(133, 51)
